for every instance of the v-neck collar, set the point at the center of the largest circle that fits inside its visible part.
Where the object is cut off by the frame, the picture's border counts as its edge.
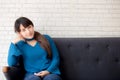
(32, 45)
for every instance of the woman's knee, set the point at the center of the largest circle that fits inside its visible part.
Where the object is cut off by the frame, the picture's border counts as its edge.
(52, 77)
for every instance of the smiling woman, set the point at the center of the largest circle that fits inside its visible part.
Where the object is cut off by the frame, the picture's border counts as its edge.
(39, 53)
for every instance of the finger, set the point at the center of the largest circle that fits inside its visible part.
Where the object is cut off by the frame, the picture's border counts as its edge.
(41, 75)
(20, 36)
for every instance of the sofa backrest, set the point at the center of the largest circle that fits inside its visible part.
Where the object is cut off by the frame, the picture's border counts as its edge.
(89, 58)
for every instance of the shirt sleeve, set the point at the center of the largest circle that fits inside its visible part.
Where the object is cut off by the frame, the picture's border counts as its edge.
(55, 56)
(14, 53)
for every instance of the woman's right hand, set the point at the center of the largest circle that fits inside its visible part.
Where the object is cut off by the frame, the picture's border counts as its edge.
(19, 37)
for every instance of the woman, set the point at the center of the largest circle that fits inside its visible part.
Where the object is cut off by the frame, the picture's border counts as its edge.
(40, 55)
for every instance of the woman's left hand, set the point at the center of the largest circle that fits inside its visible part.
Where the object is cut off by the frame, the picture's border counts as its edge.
(42, 73)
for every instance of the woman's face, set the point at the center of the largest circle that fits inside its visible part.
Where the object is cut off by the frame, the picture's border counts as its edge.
(27, 32)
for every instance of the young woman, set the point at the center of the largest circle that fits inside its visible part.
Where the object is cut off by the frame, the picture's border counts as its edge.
(40, 55)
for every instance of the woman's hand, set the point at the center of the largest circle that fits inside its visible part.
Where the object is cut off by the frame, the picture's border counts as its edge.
(19, 37)
(42, 73)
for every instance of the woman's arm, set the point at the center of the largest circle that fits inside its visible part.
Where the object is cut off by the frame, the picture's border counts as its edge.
(14, 50)
(14, 53)
(55, 55)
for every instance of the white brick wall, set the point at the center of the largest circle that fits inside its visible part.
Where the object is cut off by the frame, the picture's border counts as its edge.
(60, 18)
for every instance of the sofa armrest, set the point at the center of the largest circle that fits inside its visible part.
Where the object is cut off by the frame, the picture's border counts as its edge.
(13, 73)
(5, 69)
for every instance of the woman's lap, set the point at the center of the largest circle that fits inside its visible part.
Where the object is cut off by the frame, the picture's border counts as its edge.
(32, 77)
(47, 77)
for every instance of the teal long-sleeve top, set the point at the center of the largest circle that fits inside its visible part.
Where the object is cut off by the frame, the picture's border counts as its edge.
(34, 57)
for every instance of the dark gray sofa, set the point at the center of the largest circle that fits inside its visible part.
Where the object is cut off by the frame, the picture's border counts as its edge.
(85, 59)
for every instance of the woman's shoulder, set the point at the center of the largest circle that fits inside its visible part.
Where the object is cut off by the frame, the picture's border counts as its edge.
(20, 43)
(47, 36)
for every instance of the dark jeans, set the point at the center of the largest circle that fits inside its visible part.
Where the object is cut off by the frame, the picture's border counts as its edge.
(47, 77)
